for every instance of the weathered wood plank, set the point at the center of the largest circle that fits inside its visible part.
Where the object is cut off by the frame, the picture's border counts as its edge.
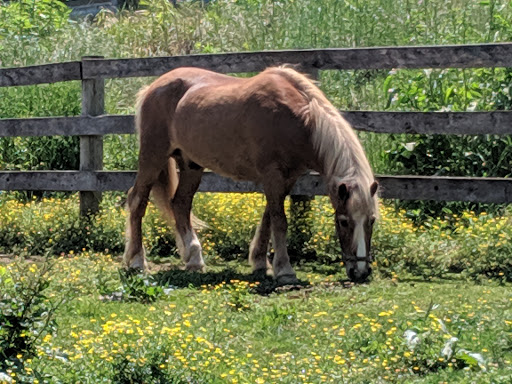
(446, 123)
(68, 181)
(40, 74)
(454, 56)
(91, 147)
(456, 123)
(488, 190)
(68, 126)
(484, 190)
(48, 181)
(449, 56)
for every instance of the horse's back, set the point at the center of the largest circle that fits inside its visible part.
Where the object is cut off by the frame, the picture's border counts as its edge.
(241, 127)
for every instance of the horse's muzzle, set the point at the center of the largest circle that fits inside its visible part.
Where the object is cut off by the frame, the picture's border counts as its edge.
(358, 275)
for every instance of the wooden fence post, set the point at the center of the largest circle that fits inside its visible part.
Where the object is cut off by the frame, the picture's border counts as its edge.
(91, 147)
(300, 226)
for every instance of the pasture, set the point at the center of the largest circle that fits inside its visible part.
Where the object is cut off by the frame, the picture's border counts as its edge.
(220, 328)
(438, 307)
(226, 326)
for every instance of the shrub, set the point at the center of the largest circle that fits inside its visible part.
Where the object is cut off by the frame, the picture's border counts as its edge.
(27, 314)
(449, 155)
(28, 19)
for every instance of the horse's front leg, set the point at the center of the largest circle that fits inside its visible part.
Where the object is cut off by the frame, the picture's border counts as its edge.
(186, 239)
(283, 271)
(259, 246)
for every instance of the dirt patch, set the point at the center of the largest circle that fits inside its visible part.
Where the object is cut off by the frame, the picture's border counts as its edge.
(9, 258)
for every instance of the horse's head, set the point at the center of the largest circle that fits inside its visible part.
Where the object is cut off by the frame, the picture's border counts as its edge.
(355, 213)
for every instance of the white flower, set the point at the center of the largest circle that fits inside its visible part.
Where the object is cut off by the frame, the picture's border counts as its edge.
(411, 338)
(447, 351)
(5, 378)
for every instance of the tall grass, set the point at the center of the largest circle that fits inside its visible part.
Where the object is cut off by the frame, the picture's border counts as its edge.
(158, 28)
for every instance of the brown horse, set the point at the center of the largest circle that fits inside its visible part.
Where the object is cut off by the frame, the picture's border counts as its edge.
(269, 129)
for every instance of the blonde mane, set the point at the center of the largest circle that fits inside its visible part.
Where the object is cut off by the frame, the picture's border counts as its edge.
(334, 140)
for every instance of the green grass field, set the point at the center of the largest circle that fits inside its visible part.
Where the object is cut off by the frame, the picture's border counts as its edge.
(222, 327)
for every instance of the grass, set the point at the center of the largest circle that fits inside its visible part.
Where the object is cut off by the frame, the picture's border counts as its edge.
(226, 333)
(226, 326)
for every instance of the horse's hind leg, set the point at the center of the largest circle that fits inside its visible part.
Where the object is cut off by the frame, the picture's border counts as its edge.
(186, 239)
(259, 245)
(138, 197)
(137, 202)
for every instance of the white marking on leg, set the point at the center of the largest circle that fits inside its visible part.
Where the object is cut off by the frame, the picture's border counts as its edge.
(281, 264)
(258, 256)
(253, 245)
(139, 260)
(192, 250)
(180, 245)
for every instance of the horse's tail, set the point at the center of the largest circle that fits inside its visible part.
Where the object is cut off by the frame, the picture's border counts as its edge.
(165, 186)
(164, 189)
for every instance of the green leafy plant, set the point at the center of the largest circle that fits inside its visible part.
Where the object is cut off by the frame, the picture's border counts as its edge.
(139, 287)
(27, 19)
(27, 314)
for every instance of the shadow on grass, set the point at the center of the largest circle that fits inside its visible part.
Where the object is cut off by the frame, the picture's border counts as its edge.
(146, 288)
(185, 279)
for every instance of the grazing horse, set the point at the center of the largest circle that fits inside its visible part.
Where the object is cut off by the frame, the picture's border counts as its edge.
(269, 129)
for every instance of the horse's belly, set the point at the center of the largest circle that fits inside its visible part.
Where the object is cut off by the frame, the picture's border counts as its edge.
(225, 164)
(236, 171)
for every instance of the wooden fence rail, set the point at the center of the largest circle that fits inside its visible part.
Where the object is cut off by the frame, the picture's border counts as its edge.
(476, 189)
(91, 180)
(444, 123)
(454, 56)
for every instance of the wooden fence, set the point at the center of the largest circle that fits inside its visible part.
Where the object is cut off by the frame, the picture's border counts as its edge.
(91, 180)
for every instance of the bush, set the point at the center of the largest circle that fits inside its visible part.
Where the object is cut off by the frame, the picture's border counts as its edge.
(27, 19)
(448, 155)
(27, 315)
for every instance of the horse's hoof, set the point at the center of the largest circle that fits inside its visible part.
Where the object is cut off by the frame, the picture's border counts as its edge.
(137, 265)
(287, 280)
(260, 274)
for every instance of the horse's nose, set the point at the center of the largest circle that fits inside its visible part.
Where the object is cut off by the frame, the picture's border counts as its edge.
(351, 274)
(358, 275)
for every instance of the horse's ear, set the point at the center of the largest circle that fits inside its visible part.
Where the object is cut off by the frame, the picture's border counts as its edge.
(373, 188)
(343, 192)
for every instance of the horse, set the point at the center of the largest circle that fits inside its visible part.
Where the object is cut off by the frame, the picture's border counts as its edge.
(270, 129)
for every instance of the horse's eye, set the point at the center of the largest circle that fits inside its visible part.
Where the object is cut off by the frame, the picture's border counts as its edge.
(343, 221)
(372, 220)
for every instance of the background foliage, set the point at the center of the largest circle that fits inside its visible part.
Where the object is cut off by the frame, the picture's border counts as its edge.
(40, 32)
(477, 246)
